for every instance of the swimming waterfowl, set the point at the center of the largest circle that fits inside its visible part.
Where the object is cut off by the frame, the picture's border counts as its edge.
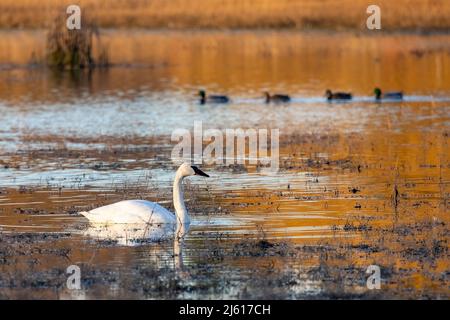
(338, 95)
(212, 98)
(277, 98)
(394, 95)
(142, 211)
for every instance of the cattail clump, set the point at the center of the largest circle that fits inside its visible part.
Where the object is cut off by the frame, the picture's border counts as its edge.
(73, 49)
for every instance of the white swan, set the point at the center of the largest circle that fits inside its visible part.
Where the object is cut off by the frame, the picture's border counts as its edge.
(142, 211)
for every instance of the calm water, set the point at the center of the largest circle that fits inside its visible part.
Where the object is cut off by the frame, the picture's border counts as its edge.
(74, 141)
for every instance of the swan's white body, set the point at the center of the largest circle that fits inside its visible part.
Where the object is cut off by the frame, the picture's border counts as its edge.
(142, 211)
(131, 211)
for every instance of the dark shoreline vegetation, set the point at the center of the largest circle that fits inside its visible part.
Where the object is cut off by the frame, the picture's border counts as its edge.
(404, 233)
(337, 265)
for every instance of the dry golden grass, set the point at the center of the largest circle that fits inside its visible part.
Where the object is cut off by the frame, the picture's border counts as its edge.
(329, 14)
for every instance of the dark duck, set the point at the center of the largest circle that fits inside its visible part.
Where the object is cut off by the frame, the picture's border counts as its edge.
(212, 98)
(394, 95)
(277, 98)
(338, 95)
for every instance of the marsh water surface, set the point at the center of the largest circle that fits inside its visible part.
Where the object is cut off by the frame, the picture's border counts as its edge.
(359, 183)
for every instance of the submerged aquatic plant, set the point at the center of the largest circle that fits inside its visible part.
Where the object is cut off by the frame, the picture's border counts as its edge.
(73, 49)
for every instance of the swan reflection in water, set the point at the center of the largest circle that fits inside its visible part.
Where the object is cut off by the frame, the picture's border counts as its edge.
(133, 234)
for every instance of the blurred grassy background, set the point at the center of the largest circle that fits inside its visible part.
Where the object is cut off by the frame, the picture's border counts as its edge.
(398, 15)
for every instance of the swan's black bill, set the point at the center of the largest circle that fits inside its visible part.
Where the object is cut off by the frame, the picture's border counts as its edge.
(199, 172)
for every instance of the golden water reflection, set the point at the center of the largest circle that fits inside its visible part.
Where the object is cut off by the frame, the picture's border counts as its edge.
(239, 63)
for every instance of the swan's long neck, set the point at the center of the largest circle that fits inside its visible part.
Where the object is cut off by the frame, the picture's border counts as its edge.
(178, 200)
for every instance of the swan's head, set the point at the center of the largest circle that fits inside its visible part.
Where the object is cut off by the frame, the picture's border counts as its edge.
(202, 94)
(377, 92)
(187, 170)
(328, 94)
